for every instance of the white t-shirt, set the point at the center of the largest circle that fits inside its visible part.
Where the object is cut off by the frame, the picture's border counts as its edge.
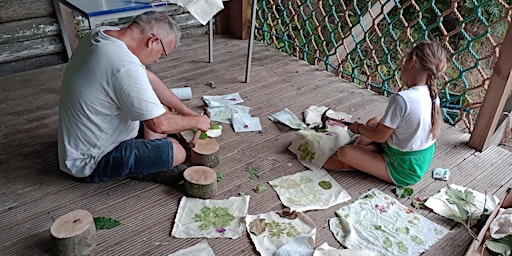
(105, 93)
(409, 113)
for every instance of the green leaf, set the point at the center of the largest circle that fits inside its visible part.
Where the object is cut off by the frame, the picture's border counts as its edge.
(220, 176)
(325, 184)
(253, 173)
(404, 192)
(502, 246)
(215, 127)
(105, 223)
(260, 188)
(460, 199)
(203, 135)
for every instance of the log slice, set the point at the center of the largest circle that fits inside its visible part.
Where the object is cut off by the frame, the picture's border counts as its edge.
(200, 181)
(205, 153)
(74, 233)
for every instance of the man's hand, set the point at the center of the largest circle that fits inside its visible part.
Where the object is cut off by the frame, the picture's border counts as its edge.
(203, 123)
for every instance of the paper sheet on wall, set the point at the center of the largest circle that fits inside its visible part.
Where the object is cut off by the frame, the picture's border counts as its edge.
(202, 10)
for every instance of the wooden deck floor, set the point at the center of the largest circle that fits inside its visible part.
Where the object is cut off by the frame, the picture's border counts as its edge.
(33, 192)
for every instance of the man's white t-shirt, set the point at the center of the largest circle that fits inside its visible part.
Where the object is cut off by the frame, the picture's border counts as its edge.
(105, 93)
(409, 113)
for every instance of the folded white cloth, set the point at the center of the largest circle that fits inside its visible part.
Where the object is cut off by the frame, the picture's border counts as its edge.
(501, 226)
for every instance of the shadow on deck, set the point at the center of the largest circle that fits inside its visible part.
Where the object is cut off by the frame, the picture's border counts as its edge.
(34, 192)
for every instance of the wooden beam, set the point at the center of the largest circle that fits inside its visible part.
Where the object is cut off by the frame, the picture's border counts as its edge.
(494, 101)
(234, 19)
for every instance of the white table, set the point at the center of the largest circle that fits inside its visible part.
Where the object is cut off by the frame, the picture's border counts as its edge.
(99, 10)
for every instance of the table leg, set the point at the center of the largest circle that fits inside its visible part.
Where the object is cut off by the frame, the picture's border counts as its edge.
(210, 41)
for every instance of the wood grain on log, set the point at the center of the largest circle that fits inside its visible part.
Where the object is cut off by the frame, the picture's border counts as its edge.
(205, 152)
(74, 233)
(200, 181)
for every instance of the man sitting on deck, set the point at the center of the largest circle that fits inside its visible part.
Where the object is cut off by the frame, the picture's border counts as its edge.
(114, 115)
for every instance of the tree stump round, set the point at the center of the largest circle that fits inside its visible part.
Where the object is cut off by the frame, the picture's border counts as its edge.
(205, 153)
(200, 181)
(74, 233)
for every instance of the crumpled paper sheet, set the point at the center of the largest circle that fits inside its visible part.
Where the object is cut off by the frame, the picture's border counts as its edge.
(216, 101)
(325, 250)
(200, 249)
(441, 206)
(309, 190)
(246, 123)
(279, 231)
(287, 118)
(210, 218)
(225, 114)
(202, 10)
(380, 223)
(314, 148)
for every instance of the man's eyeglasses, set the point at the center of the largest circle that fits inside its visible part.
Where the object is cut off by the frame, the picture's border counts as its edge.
(162, 43)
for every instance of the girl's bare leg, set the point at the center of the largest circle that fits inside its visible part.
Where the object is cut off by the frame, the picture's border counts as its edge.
(365, 161)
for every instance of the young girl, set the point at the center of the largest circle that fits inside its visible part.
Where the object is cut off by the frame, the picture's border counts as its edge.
(399, 147)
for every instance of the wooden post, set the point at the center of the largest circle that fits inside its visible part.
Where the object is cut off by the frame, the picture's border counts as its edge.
(494, 101)
(234, 19)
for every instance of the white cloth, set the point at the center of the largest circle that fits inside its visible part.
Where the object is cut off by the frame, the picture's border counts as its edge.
(314, 148)
(380, 223)
(200, 249)
(105, 93)
(439, 204)
(325, 250)
(216, 101)
(501, 226)
(225, 114)
(210, 218)
(309, 190)
(288, 118)
(409, 113)
(279, 231)
(246, 123)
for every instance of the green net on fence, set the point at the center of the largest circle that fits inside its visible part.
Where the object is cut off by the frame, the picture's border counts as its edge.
(364, 41)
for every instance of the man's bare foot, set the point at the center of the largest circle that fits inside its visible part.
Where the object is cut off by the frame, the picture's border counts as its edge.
(333, 164)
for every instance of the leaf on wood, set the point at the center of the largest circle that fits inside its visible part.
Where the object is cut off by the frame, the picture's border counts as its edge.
(257, 226)
(220, 176)
(461, 199)
(260, 188)
(404, 192)
(288, 214)
(253, 173)
(105, 223)
(502, 246)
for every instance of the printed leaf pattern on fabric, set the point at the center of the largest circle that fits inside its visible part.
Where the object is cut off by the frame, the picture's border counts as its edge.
(307, 195)
(278, 229)
(215, 217)
(380, 223)
(306, 152)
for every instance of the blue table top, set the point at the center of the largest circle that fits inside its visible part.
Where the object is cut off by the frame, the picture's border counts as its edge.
(93, 8)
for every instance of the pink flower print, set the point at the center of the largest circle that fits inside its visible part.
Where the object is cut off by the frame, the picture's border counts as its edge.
(232, 99)
(220, 230)
(381, 208)
(409, 211)
(246, 126)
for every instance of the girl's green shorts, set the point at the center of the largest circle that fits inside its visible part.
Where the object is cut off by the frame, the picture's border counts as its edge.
(408, 167)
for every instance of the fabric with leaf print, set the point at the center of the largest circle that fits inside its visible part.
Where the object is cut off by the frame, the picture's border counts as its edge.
(279, 231)
(309, 190)
(288, 118)
(246, 123)
(380, 223)
(225, 114)
(313, 148)
(210, 218)
(222, 100)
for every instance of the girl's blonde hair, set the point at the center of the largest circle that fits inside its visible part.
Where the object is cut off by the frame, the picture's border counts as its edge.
(432, 59)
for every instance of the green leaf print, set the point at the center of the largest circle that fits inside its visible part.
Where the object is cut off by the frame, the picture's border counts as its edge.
(378, 227)
(368, 196)
(305, 180)
(215, 217)
(288, 183)
(387, 242)
(401, 246)
(306, 152)
(402, 230)
(325, 184)
(414, 220)
(417, 240)
(276, 229)
(438, 232)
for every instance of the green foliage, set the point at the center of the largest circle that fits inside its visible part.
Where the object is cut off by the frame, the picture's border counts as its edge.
(461, 200)
(260, 188)
(214, 217)
(253, 173)
(105, 223)
(277, 229)
(502, 246)
(404, 192)
(306, 152)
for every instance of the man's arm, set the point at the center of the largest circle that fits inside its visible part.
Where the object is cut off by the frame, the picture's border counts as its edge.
(167, 97)
(169, 123)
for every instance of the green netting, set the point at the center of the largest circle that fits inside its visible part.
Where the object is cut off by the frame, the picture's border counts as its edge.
(364, 41)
